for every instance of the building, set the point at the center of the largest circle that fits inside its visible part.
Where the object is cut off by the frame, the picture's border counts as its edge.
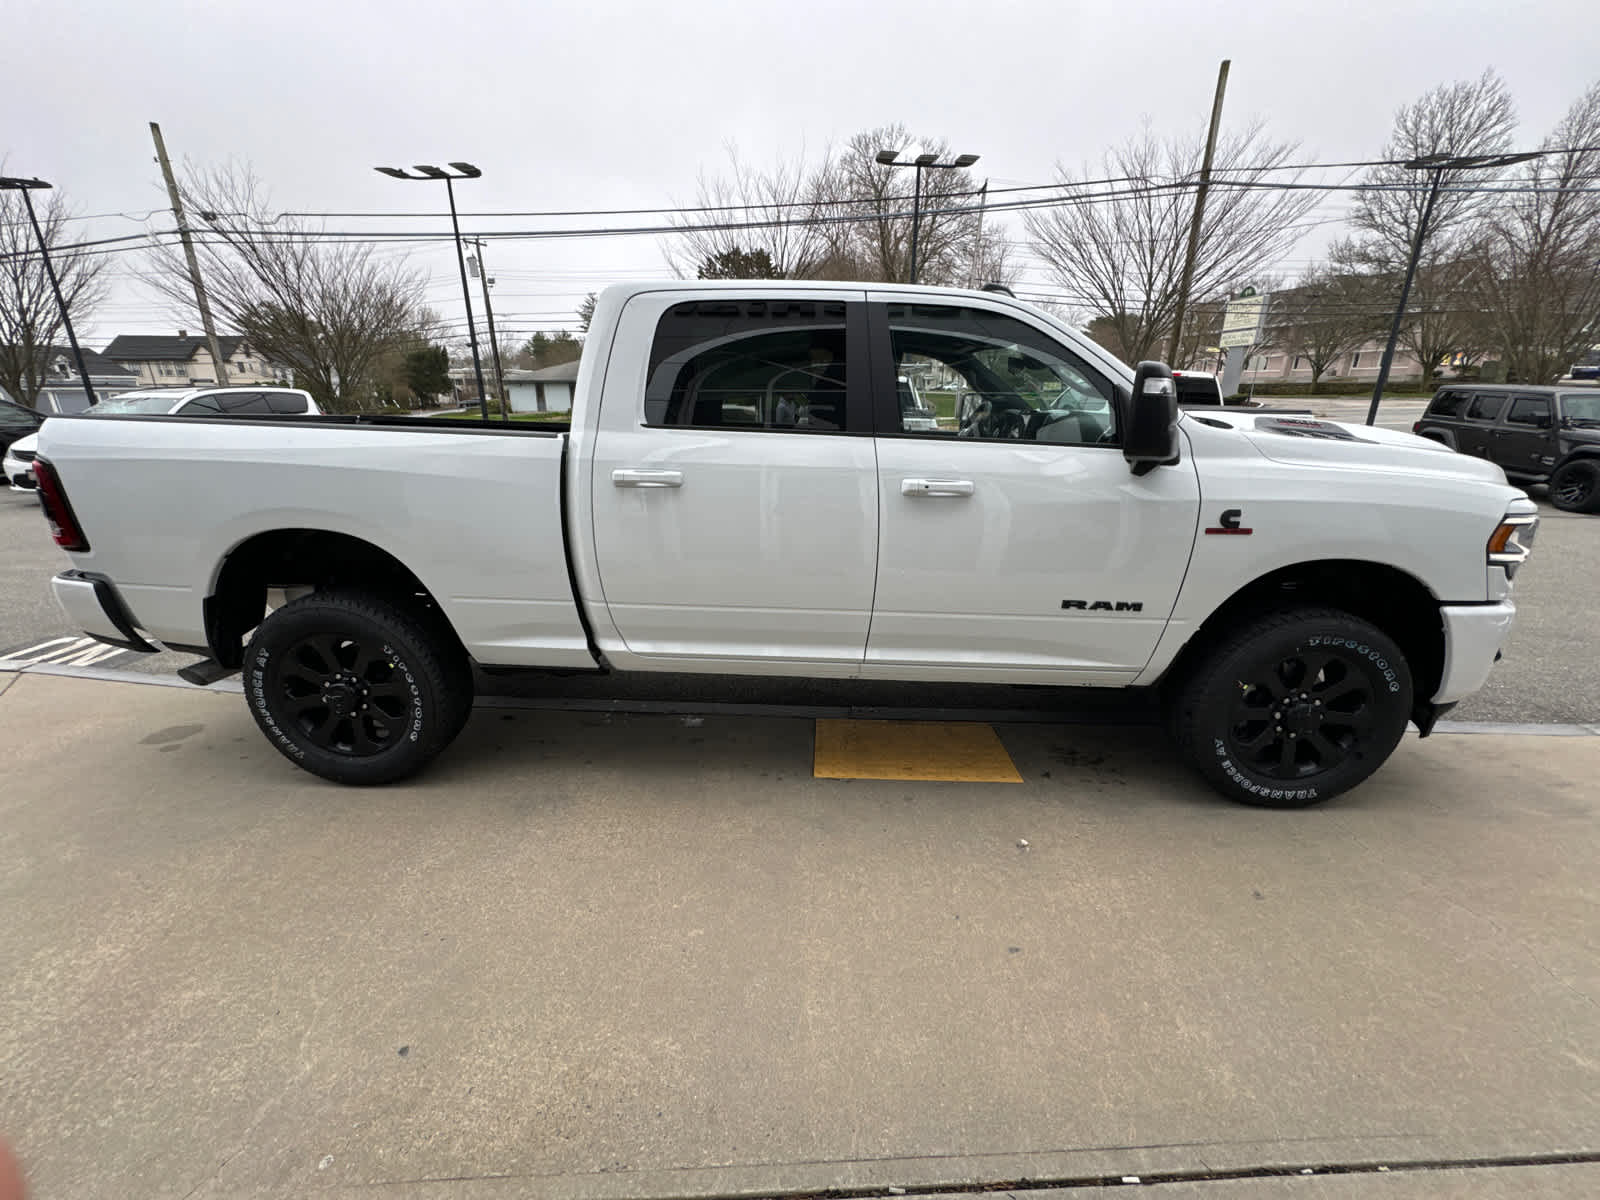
(61, 378)
(1270, 365)
(159, 360)
(546, 389)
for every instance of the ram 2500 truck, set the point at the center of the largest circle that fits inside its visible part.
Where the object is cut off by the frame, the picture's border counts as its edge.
(738, 492)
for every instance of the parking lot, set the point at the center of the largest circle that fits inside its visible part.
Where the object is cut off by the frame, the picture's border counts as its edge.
(607, 956)
(654, 952)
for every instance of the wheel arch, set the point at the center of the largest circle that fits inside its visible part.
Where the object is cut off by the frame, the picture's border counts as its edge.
(302, 558)
(1393, 600)
(1588, 452)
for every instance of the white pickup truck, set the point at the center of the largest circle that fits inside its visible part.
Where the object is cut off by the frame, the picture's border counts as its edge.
(737, 493)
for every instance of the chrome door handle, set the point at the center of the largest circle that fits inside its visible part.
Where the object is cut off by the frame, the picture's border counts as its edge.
(635, 478)
(936, 487)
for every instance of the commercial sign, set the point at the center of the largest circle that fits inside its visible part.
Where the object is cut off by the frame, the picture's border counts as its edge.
(1241, 324)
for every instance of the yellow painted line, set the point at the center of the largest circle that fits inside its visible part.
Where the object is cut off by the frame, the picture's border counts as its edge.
(953, 751)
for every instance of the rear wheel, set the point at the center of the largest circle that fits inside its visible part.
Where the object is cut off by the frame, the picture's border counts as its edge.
(1294, 708)
(1575, 486)
(356, 689)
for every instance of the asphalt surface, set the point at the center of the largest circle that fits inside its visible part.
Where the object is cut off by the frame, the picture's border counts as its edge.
(602, 957)
(1550, 674)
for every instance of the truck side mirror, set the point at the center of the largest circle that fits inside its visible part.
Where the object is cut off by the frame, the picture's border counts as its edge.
(1150, 419)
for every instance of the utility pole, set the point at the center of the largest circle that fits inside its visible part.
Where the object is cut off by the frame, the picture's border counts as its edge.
(481, 269)
(1199, 215)
(200, 300)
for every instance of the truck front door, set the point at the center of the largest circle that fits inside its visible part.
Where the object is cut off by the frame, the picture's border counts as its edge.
(1016, 544)
(733, 484)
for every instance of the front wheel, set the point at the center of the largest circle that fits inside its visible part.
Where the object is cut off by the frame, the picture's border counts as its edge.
(1575, 486)
(1294, 708)
(355, 689)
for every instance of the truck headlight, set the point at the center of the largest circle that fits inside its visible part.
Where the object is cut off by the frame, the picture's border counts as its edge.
(1511, 541)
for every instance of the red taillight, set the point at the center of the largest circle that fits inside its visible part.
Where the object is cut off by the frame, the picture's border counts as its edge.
(1416, 427)
(63, 524)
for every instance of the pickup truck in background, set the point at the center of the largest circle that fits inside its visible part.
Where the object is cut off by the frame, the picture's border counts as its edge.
(739, 492)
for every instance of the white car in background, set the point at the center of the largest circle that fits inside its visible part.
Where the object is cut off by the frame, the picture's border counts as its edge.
(171, 402)
(18, 463)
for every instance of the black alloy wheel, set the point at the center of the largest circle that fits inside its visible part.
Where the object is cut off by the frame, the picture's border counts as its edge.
(1293, 708)
(357, 688)
(345, 695)
(1300, 716)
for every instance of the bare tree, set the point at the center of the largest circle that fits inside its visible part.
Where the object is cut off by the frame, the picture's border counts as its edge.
(1118, 247)
(876, 246)
(1541, 255)
(756, 210)
(336, 312)
(30, 320)
(1325, 316)
(848, 217)
(1469, 117)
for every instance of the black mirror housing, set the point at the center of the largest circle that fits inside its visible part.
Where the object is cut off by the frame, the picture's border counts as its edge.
(1150, 419)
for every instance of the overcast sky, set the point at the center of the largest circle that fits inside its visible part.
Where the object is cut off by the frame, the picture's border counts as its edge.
(609, 104)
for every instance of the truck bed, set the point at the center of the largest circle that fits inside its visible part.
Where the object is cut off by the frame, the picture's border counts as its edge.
(204, 488)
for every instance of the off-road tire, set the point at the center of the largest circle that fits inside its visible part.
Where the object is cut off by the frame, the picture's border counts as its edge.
(356, 688)
(1339, 684)
(1575, 486)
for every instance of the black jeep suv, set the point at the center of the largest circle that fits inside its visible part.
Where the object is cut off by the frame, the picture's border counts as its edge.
(1535, 434)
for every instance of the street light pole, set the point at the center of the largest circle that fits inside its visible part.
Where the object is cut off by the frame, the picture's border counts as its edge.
(890, 158)
(27, 186)
(1438, 164)
(465, 171)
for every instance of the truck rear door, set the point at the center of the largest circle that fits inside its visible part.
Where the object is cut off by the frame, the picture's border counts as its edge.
(733, 482)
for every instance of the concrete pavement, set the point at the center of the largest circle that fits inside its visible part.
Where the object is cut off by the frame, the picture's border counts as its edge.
(601, 956)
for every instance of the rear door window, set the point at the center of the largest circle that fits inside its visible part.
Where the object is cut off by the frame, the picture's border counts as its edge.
(759, 365)
(244, 404)
(201, 406)
(286, 404)
(1486, 406)
(1533, 411)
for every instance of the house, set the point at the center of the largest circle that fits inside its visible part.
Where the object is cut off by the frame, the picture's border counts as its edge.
(61, 379)
(546, 389)
(185, 361)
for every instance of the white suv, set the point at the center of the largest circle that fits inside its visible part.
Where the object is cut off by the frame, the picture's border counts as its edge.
(210, 402)
(174, 402)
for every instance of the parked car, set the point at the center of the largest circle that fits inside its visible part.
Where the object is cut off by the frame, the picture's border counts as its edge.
(18, 463)
(1294, 590)
(17, 421)
(1535, 434)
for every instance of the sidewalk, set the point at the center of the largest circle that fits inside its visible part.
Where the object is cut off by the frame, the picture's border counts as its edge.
(602, 956)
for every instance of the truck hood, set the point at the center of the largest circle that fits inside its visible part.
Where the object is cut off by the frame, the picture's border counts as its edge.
(1314, 442)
